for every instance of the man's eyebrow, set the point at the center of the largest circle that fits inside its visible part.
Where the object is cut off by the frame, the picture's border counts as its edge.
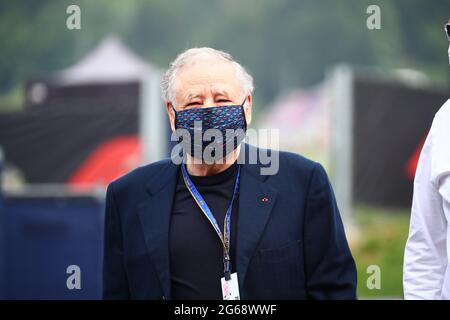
(192, 96)
(222, 93)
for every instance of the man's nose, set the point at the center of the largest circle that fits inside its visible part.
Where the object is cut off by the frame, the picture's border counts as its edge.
(208, 102)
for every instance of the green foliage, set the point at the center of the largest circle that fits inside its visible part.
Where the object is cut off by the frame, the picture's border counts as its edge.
(381, 240)
(284, 44)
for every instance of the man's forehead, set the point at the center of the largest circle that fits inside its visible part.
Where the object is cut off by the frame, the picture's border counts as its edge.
(202, 78)
(206, 70)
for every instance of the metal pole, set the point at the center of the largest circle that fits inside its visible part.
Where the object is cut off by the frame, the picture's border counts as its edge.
(340, 87)
(152, 119)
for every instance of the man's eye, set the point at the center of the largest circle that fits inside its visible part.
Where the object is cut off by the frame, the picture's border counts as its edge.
(193, 104)
(223, 101)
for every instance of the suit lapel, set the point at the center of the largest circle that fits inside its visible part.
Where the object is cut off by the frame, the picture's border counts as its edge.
(154, 213)
(256, 200)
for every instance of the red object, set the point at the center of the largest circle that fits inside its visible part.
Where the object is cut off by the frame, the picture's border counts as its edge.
(110, 160)
(411, 165)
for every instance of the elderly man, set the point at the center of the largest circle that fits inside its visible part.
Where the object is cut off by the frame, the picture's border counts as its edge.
(215, 227)
(426, 272)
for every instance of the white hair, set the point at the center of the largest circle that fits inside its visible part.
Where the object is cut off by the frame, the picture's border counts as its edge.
(189, 57)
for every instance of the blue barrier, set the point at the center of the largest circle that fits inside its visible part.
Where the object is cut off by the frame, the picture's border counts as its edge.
(43, 236)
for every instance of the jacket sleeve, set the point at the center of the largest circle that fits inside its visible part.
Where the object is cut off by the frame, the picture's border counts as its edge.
(114, 277)
(329, 265)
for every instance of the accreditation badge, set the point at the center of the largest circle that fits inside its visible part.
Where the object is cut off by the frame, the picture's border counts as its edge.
(230, 288)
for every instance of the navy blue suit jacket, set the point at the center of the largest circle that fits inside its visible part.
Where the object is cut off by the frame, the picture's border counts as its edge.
(292, 246)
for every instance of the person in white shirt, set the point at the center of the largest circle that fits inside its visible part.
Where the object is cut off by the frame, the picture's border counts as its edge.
(426, 270)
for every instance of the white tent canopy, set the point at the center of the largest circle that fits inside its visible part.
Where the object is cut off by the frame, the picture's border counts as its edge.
(110, 62)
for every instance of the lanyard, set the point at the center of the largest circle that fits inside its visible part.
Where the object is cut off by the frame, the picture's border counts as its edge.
(225, 236)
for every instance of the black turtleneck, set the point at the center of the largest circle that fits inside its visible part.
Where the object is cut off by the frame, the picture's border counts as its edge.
(196, 255)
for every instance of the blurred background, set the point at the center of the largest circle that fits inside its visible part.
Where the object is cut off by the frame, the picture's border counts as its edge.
(81, 107)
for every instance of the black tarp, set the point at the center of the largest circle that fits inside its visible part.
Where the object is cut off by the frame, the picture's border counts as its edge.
(390, 122)
(48, 142)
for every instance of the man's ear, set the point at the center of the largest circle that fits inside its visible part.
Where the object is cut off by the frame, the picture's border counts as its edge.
(171, 114)
(248, 109)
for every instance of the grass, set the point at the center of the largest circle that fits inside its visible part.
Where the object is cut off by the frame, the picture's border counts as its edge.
(380, 240)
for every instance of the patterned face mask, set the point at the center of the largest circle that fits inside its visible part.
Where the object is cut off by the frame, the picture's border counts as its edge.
(229, 121)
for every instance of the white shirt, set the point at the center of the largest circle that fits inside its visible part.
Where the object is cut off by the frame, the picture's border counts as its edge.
(426, 270)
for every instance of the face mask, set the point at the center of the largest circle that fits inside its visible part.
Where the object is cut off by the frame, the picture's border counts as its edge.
(221, 118)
